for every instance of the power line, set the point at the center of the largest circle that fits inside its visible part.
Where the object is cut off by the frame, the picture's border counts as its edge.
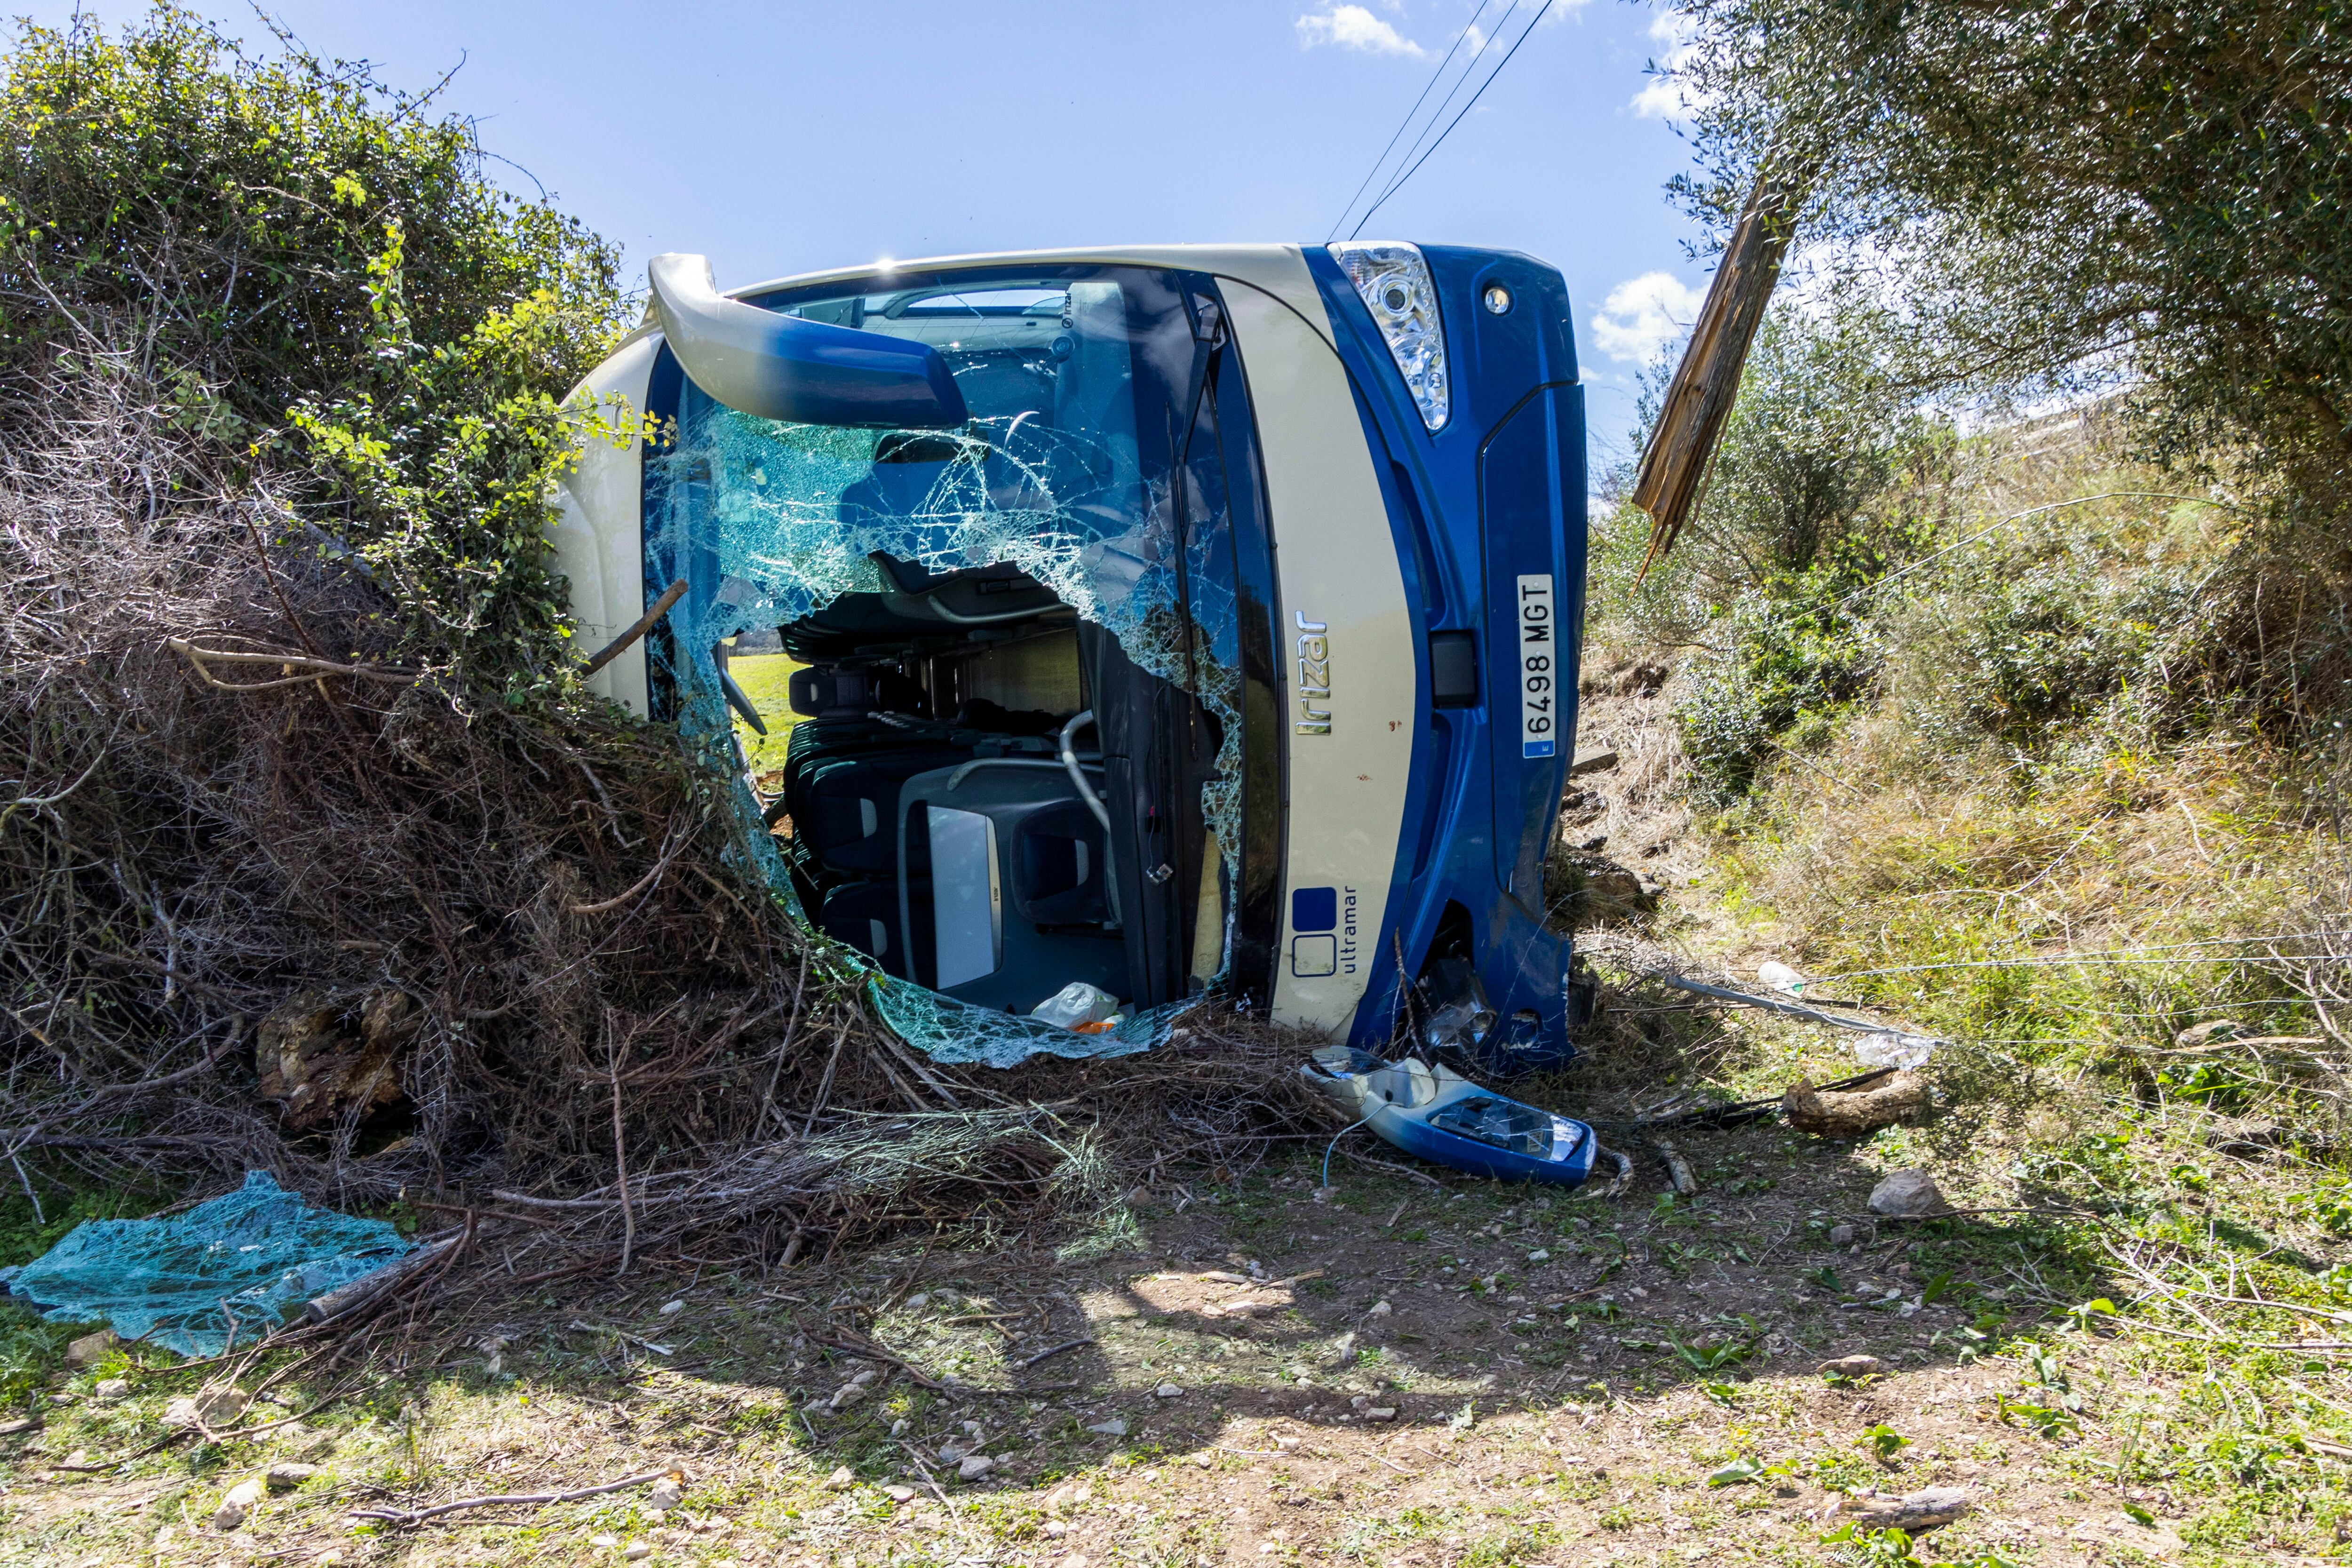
(1373, 172)
(1469, 70)
(1399, 183)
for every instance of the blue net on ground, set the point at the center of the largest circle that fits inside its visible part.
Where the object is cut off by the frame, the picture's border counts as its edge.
(240, 1263)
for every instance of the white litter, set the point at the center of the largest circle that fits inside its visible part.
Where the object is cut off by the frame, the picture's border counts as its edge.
(1894, 1049)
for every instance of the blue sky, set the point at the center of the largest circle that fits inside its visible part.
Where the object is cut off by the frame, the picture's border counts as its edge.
(780, 138)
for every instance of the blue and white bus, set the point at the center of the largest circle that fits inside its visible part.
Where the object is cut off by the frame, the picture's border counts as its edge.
(1173, 618)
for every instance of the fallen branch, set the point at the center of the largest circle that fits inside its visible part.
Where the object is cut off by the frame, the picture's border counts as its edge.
(410, 1519)
(645, 623)
(203, 658)
(1679, 1169)
(1051, 1353)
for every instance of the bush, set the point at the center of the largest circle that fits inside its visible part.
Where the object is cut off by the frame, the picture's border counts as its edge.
(328, 291)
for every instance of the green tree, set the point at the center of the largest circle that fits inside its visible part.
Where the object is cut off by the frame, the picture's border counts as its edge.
(2122, 194)
(319, 268)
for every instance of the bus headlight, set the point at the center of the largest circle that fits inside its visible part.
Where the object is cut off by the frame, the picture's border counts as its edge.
(1396, 288)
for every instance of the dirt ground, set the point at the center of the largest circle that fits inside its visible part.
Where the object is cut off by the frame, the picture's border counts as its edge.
(1250, 1367)
(1381, 1371)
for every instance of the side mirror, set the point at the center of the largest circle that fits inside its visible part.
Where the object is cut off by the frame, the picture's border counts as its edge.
(781, 367)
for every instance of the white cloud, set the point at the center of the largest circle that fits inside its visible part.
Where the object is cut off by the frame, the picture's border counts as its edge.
(1353, 28)
(1642, 315)
(1665, 96)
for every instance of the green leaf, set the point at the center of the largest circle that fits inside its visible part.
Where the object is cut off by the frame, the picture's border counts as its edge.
(1736, 1472)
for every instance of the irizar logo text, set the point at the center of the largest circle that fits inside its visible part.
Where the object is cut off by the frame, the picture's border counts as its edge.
(1314, 675)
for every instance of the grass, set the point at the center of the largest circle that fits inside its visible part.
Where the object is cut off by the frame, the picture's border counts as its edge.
(766, 680)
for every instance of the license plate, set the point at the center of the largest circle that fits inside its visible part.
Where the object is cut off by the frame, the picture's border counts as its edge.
(1540, 672)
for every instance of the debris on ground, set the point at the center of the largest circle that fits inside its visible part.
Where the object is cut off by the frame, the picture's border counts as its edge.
(1913, 1512)
(1854, 1114)
(236, 1267)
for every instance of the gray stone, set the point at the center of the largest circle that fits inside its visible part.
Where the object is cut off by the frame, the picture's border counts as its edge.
(235, 1503)
(1853, 1366)
(111, 1389)
(284, 1477)
(975, 1467)
(1114, 1427)
(90, 1348)
(1907, 1194)
(1840, 1235)
(1168, 1391)
(665, 1493)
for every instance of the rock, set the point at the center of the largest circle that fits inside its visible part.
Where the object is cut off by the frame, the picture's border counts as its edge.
(665, 1493)
(918, 1301)
(111, 1389)
(1912, 1511)
(637, 1551)
(77, 1458)
(605, 1542)
(2207, 1033)
(952, 1453)
(1379, 1309)
(1168, 1391)
(1381, 1413)
(847, 1394)
(285, 1476)
(975, 1467)
(863, 1378)
(1287, 1444)
(1848, 1116)
(841, 1480)
(1853, 1366)
(326, 1052)
(216, 1408)
(1840, 1235)
(1907, 1194)
(1114, 1427)
(89, 1350)
(899, 1427)
(1598, 760)
(1539, 1256)
(899, 1493)
(235, 1503)
(1056, 1529)
(672, 1309)
(1343, 1351)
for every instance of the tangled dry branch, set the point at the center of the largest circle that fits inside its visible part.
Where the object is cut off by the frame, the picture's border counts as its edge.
(238, 826)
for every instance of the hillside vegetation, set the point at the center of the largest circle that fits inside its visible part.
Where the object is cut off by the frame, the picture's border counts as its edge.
(2001, 685)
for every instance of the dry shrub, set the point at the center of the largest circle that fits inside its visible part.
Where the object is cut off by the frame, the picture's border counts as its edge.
(554, 889)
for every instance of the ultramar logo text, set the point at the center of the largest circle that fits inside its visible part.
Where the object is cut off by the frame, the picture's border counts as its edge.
(1314, 675)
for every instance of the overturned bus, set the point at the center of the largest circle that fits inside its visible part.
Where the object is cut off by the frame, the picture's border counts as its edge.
(1173, 619)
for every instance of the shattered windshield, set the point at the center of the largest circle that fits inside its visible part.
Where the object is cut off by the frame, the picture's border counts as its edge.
(1091, 462)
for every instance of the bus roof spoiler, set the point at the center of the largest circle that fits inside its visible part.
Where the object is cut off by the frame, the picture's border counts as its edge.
(776, 366)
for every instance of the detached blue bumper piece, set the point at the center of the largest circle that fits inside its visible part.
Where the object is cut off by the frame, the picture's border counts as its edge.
(1436, 1114)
